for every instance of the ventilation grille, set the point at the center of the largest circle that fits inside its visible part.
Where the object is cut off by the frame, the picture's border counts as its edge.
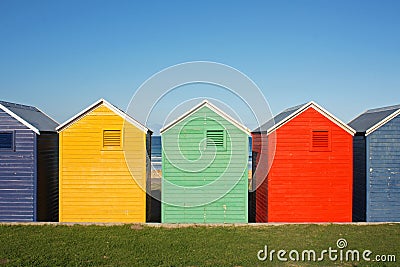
(320, 140)
(215, 137)
(6, 141)
(112, 138)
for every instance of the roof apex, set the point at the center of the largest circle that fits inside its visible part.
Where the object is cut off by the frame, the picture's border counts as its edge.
(214, 108)
(99, 102)
(297, 110)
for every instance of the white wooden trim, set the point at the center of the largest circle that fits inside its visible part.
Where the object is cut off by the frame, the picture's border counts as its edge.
(21, 120)
(318, 108)
(101, 101)
(213, 108)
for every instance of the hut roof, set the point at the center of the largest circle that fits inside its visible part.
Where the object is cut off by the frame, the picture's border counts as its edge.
(372, 119)
(30, 116)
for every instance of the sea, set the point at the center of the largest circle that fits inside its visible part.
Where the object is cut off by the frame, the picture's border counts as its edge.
(156, 152)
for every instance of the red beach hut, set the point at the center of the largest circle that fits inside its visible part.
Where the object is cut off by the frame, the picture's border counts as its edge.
(310, 179)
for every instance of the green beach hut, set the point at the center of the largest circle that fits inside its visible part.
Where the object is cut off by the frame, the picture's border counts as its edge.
(204, 168)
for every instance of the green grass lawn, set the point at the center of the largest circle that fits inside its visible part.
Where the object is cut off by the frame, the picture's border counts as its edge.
(136, 245)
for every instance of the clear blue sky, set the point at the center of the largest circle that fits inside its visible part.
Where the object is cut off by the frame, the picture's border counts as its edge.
(63, 55)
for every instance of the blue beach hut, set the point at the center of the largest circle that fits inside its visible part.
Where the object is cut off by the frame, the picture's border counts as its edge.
(376, 186)
(28, 164)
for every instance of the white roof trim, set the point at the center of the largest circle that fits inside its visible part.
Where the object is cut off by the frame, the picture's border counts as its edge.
(382, 122)
(21, 120)
(108, 105)
(208, 104)
(320, 109)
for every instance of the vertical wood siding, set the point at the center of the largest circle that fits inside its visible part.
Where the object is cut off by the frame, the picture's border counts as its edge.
(96, 184)
(47, 173)
(148, 180)
(383, 173)
(252, 194)
(305, 185)
(17, 169)
(231, 207)
(359, 178)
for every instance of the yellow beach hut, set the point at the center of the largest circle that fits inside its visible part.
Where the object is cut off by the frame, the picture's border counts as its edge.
(104, 166)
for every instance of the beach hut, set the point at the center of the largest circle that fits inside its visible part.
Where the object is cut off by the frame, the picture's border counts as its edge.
(104, 166)
(204, 168)
(310, 179)
(377, 165)
(28, 164)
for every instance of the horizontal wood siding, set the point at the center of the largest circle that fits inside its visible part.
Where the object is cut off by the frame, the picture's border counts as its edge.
(47, 177)
(384, 173)
(17, 170)
(96, 183)
(306, 185)
(232, 205)
(359, 178)
(260, 148)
